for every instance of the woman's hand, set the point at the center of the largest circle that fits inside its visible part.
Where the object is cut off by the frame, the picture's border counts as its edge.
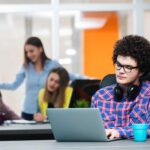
(39, 117)
(112, 133)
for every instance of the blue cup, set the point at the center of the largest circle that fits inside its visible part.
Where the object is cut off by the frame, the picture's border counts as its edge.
(140, 132)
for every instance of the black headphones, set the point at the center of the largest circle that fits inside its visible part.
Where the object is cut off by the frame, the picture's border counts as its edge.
(132, 92)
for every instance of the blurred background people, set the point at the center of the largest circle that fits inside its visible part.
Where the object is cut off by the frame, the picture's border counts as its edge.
(35, 70)
(56, 94)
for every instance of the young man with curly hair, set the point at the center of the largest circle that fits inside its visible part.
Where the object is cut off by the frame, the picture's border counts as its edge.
(128, 101)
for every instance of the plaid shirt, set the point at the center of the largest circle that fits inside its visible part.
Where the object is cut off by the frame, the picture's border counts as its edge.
(121, 115)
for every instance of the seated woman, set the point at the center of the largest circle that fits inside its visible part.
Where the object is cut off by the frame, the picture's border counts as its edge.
(5, 112)
(56, 94)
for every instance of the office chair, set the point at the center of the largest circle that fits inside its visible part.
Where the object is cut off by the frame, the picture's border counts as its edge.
(91, 88)
(146, 77)
(83, 89)
(108, 80)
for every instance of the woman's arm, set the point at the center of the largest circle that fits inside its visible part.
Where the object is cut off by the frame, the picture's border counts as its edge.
(16, 83)
(41, 115)
(72, 76)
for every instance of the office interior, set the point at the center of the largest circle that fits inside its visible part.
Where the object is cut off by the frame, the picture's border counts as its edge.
(80, 34)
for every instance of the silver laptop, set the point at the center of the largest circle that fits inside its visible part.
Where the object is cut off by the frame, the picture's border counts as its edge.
(77, 124)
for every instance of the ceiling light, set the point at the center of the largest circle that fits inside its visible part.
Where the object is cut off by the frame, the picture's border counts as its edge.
(71, 51)
(65, 61)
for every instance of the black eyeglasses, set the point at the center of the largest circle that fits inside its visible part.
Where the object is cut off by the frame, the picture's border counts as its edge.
(126, 68)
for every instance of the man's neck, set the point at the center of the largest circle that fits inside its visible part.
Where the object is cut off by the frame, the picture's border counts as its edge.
(125, 87)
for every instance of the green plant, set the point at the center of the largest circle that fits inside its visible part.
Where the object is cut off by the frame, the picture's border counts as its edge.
(81, 103)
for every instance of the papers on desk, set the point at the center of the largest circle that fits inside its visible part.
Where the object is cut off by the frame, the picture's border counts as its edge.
(22, 121)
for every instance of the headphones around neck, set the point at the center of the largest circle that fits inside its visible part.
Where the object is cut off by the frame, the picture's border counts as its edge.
(132, 92)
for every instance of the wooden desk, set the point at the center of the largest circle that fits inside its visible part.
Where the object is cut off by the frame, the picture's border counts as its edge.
(53, 145)
(26, 132)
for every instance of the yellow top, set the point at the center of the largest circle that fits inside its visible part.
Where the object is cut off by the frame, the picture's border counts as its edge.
(43, 104)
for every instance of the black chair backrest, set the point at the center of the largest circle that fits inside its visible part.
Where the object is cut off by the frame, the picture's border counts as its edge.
(83, 89)
(108, 80)
(146, 77)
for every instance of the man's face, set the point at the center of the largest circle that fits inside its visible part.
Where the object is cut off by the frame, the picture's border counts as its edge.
(127, 71)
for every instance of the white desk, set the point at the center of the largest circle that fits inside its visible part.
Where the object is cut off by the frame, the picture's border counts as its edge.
(26, 132)
(53, 145)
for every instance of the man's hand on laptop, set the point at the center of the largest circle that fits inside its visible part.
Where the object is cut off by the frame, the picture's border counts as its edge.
(112, 133)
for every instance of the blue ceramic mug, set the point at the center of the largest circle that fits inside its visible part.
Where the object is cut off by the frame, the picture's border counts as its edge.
(140, 131)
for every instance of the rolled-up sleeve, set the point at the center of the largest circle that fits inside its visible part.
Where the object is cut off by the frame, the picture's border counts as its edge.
(16, 83)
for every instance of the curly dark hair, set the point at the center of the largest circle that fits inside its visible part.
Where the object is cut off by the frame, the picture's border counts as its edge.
(136, 47)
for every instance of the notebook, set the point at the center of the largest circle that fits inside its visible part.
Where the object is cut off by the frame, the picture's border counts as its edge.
(77, 124)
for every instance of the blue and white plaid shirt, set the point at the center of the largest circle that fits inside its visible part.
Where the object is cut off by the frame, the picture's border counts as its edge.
(121, 115)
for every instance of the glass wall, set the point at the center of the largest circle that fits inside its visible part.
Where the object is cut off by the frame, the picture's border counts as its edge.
(12, 36)
(147, 24)
(14, 29)
(70, 43)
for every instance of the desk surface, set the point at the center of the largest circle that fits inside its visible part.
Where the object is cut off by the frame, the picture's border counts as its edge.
(25, 132)
(53, 145)
(19, 128)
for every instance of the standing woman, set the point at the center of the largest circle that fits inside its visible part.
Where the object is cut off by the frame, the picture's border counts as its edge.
(35, 70)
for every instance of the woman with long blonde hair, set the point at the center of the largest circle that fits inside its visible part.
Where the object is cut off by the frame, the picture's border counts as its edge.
(56, 94)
